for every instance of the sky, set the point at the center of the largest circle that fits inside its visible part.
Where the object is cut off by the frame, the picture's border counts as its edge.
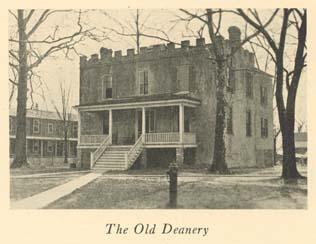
(58, 69)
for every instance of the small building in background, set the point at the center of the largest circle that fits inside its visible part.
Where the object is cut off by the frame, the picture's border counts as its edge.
(45, 137)
(301, 146)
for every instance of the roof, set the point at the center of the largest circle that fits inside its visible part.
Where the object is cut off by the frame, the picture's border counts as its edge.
(42, 114)
(143, 98)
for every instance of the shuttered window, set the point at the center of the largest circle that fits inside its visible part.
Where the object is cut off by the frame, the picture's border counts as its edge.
(143, 82)
(107, 87)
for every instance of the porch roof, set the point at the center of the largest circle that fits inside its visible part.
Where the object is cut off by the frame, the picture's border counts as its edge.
(143, 101)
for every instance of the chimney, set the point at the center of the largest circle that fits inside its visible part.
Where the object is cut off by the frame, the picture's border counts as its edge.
(234, 36)
(185, 44)
(118, 54)
(130, 52)
(251, 59)
(200, 42)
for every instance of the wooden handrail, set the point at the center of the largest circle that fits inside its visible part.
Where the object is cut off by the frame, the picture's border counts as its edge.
(138, 144)
(97, 153)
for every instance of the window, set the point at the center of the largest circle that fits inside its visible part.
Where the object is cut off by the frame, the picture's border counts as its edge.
(263, 95)
(75, 130)
(150, 121)
(50, 128)
(191, 78)
(248, 123)
(143, 82)
(35, 146)
(35, 126)
(264, 128)
(231, 80)
(249, 81)
(107, 87)
(10, 124)
(230, 121)
(50, 147)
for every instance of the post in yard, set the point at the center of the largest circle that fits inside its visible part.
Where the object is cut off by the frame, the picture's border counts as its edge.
(172, 174)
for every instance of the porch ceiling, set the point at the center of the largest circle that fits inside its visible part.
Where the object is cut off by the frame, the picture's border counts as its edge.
(142, 101)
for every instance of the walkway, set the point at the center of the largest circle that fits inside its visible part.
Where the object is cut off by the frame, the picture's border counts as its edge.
(44, 198)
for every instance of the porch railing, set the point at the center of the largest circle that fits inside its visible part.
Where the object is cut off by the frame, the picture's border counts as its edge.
(92, 139)
(97, 153)
(153, 138)
(134, 152)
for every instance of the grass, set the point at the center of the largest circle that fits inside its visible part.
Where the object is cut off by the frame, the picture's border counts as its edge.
(206, 193)
(42, 169)
(25, 187)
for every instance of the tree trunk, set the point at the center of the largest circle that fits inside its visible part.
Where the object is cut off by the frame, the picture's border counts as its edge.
(219, 161)
(289, 169)
(20, 148)
(66, 145)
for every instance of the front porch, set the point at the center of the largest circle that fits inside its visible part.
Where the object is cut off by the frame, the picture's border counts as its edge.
(121, 132)
(159, 127)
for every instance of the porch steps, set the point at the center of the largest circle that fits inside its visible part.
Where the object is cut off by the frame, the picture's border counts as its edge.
(113, 158)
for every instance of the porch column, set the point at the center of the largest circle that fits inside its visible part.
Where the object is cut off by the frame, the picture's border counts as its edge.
(55, 149)
(42, 148)
(110, 125)
(181, 122)
(143, 124)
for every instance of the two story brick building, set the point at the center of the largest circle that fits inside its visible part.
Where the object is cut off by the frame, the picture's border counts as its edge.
(45, 138)
(159, 106)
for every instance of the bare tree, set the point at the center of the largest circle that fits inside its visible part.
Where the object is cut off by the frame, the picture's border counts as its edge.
(136, 28)
(287, 76)
(65, 115)
(30, 45)
(212, 18)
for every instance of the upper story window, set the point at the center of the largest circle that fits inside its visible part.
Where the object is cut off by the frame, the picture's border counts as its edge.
(230, 120)
(75, 130)
(231, 80)
(185, 78)
(248, 123)
(143, 82)
(264, 128)
(50, 128)
(107, 86)
(36, 128)
(263, 95)
(10, 124)
(249, 84)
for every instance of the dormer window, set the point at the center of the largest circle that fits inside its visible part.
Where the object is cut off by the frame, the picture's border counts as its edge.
(107, 87)
(143, 82)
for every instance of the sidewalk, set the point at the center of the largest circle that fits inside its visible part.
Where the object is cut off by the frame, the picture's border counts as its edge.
(44, 198)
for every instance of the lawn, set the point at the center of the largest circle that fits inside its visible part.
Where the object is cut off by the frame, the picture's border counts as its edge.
(214, 192)
(25, 187)
(39, 170)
